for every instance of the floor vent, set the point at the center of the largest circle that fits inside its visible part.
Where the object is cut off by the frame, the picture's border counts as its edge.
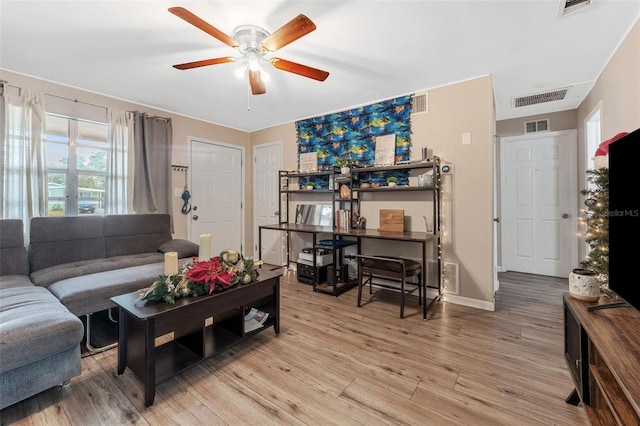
(536, 126)
(571, 6)
(419, 104)
(539, 98)
(450, 278)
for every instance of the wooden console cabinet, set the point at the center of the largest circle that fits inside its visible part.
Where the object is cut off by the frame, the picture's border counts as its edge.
(602, 349)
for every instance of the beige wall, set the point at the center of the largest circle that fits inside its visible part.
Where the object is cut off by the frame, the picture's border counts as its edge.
(453, 110)
(563, 120)
(468, 192)
(183, 129)
(617, 91)
(617, 94)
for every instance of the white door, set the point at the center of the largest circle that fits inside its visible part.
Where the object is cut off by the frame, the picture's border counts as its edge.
(539, 203)
(216, 195)
(267, 161)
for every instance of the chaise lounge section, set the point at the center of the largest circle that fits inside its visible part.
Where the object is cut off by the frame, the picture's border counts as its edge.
(39, 337)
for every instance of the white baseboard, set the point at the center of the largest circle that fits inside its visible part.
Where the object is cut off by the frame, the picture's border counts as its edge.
(465, 301)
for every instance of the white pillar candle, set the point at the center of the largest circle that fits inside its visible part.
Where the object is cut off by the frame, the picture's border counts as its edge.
(204, 253)
(171, 263)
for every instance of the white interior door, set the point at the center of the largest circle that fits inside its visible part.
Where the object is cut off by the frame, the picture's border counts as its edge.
(539, 203)
(267, 161)
(216, 195)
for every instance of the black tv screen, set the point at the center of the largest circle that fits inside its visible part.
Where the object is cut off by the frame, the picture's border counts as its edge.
(624, 218)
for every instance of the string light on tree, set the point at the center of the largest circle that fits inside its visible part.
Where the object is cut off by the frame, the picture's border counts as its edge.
(596, 215)
(596, 218)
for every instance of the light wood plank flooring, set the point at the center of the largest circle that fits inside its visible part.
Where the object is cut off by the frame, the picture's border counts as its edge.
(337, 364)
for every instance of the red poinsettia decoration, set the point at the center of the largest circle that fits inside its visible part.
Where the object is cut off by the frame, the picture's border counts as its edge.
(210, 272)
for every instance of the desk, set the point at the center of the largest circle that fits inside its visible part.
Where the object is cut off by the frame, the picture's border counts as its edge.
(421, 238)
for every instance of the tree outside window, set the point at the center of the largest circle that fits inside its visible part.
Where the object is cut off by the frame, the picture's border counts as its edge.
(76, 155)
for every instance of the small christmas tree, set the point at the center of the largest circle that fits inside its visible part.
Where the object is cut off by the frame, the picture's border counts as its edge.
(596, 218)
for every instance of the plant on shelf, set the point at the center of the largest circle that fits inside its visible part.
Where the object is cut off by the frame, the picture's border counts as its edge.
(344, 163)
(392, 181)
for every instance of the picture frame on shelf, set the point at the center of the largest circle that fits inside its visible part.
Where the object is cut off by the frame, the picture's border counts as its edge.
(309, 162)
(385, 154)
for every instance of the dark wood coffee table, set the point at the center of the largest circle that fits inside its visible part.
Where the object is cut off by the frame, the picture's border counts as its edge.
(202, 327)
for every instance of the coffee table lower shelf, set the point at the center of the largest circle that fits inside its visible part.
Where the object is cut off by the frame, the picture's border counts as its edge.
(198, 328)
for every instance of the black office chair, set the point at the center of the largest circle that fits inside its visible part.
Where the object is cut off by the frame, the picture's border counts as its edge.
(394, 269)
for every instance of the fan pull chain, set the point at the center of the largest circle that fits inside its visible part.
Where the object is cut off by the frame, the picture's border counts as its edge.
(248, 99)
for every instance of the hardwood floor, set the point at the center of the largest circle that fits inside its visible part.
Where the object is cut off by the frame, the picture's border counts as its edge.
(334, 363)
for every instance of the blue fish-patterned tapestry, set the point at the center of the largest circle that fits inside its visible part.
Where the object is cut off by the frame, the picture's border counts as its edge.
(352, 133)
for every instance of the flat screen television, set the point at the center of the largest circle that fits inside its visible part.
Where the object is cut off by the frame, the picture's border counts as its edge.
(624, 218)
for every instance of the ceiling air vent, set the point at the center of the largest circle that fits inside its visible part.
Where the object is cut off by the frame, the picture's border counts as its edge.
(555, 95)
(536, 126)
(420, 104)
(571, 6)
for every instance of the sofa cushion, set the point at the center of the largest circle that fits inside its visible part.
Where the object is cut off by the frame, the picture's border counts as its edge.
(184, 248)
(135, 233)
(93, 292)
(10, 281)
(34, 325)
(59, 240)
(48, 276)
(13, 255)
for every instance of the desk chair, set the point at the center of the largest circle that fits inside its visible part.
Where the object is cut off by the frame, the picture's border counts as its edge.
(394, 269)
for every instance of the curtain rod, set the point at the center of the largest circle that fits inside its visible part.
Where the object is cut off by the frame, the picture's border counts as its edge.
(6, 83)
(152, 117)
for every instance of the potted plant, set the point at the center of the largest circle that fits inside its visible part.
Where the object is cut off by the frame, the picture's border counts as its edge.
(344, 163)
(392, 181)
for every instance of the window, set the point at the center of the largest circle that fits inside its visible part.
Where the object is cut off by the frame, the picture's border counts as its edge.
(76, 156)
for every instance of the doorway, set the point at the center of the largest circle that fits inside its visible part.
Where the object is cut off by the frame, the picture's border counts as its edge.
(267, 162)
(217, 191)
(539, 203)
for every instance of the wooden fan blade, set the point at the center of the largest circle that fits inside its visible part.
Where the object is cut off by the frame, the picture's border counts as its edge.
(303, 70)
(183, 13)
(204, 63)
(257, 84)
(291, 31)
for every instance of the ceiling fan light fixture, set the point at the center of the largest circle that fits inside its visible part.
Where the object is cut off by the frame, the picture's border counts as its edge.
(253, 61)
(253, 43)
(240, 71)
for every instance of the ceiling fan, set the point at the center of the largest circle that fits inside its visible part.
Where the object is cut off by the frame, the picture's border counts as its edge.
(254, 43)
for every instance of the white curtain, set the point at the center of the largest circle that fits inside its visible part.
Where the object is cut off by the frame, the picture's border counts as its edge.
(23, 192)
(119, 184)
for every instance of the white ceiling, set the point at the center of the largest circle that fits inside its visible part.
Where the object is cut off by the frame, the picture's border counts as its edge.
(374, 50)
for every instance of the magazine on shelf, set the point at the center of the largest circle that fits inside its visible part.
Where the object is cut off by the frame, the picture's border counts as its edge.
(254, 319)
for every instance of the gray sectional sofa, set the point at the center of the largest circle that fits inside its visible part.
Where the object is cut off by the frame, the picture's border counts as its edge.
(86, 260)
(39, 337)
(74, 266)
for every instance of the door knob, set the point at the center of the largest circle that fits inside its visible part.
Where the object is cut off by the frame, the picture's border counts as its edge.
(276, 213)
(496, 219)
(195, 217)
(565, 215)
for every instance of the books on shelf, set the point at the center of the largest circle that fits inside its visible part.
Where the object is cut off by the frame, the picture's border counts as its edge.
(254, 319)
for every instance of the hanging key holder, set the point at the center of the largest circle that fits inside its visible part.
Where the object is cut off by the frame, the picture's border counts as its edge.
(186, 206)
